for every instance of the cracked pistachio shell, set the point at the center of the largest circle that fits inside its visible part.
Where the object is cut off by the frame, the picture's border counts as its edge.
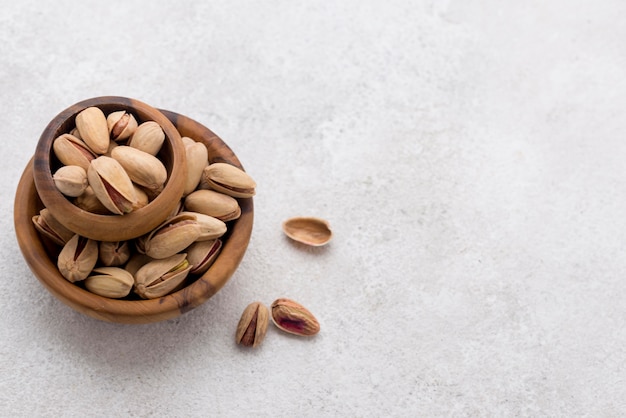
(48, 226)
(291, 317)
(71, 150)
(113, 253)
(210, 227)
(142, 198)
(215, 204)
(92, 125)
(172, 236)
(160, 277)
(202, 254)
(229, 179)
(77, 258)
(308, 230)
(197, 158)
(144, 169)
(71, 180)
(121, 125)
(148, 137)
(111, 185)
(110, 282)
(252, 325)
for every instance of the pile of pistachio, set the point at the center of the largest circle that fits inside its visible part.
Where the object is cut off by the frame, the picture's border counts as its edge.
(111, 167)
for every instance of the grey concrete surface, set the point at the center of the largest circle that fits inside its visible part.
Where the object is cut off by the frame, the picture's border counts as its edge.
(469, 156)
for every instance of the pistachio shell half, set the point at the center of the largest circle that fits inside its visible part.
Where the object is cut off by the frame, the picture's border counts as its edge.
(229, 179)
(215, 204)
(77, 258)
(308, 230)
(161, 277)
(92, 125)
(144, 169)
(110, 282)
(111, 185)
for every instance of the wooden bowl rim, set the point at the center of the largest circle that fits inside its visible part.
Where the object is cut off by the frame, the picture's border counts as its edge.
(96, 226)
(136, 311)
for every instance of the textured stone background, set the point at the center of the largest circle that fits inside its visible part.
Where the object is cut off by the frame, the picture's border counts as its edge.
(469, 156)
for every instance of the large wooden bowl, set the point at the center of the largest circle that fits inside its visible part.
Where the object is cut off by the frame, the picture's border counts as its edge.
(110, 227)
(41, 256)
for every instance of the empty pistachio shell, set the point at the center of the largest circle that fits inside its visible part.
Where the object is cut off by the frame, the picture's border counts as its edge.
(148, 137)
(210, 227)
(197, 159)
(92, 125)
(144, 169)
(229, 179)
(308, 230)
(111, 185)
(48, 226)
(121, 125)
(77, 258)
(113, 253)
(70, 150)
(110, 282)
(172, 236)
(202, 254)
(71, 180)
(215, 204)
(252, 325)
(294, 318)
(159, 277)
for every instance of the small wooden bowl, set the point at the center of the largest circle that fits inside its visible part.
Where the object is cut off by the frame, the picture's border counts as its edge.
(110, 227)
(41, 256)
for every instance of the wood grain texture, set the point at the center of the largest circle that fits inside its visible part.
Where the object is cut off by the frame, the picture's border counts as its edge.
(41, 257)
(110, 227)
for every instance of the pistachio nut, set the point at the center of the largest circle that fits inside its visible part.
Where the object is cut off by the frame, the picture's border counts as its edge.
(291, 317)
(144, 169)
(77, 258)
(48, 226)
(252, 325)
(160, 277)
(229, 179)
(148, 137)
(202, 254)
(215, 204)
(137, 261)
(90, 203)
(71, 150)
(111, 185)
(92, 125)
(142, 198)
(308, 230)
(197, 158)
(187, 141)
(110, 282)
(172, 236)
(121, 125)
(210, 227)
(75, 133)
(71, 180)
(113, 253)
